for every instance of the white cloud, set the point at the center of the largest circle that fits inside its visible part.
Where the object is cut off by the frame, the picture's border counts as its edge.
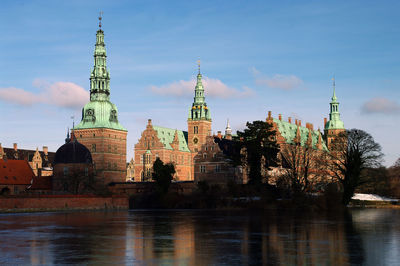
(277, 81)
(381, 105)
(214, 88)
(63, 94)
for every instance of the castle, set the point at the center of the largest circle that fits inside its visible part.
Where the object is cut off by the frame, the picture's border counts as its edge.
(195, 152)
(199, 156)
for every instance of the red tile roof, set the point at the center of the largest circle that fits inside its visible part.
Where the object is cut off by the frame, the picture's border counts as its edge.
(15, 172)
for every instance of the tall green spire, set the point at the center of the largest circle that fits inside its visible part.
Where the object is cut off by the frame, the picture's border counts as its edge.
(100, 112)
(199, 110)
(334, 115)
(100, 77)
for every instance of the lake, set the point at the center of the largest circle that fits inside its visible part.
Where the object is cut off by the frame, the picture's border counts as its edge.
(199, 237)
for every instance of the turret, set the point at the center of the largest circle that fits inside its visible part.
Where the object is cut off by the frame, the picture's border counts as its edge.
(228, 131)
(334, 126)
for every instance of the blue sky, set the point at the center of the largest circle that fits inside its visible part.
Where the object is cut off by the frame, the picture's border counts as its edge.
(256, 56)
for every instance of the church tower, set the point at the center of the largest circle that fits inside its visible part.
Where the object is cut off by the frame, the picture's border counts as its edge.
(199, 121)
(334, 126)
(99, 129)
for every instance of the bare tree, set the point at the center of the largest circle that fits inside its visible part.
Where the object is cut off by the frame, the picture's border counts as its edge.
(353, 151)
(304, 167)
(79, 182)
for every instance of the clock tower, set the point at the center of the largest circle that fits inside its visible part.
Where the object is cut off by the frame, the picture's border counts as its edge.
(199, 121)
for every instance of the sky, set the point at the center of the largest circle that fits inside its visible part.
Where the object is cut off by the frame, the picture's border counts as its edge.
(256, 56)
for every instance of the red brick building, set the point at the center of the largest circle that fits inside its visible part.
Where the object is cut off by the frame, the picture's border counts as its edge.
(193, 152)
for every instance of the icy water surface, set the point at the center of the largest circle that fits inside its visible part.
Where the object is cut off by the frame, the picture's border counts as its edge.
(185, 237)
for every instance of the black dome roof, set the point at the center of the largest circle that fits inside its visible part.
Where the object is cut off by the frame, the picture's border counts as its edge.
(73, 152)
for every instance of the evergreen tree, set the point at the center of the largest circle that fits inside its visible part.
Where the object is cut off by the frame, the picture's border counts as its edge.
(162, 175)
(255, 148)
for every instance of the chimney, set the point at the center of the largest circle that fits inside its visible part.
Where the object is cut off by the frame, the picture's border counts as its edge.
(280, 117)
(295, 121)
(15, 147)
(269, 115)
(149, 122)
(45, 150)
(299, 123)
(289, 120)
(325, 121)
(219, 135)
(311, 126)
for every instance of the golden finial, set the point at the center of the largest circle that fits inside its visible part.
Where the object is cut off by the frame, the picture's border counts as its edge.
(100, 18)
(198, 64)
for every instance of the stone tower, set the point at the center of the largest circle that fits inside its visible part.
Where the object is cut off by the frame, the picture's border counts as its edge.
(334, 126)
(99, 129)
(199, 121)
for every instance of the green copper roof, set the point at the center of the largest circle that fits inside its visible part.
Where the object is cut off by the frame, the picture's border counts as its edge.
(334, 115)
(100, 112)
(288, 131)
(199, 110)
(166, 136)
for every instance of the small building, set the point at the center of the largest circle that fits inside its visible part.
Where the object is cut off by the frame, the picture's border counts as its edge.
(73, 167)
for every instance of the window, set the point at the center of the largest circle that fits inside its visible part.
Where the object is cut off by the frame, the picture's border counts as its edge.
(202, 168)
(196, 150)
(141, 158)
(109, 148)
(195, 129)
(94, 135)
(212, 148)
(217, 168)
(109, 165)
(115, 166)
(205, 156)
(148, 159)
(214, 155)
(65, 170)
(206, 148)
(86, 171)
(93, 147)
(16, 190)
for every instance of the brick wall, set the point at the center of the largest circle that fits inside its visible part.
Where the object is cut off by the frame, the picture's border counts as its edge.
(108, 149)
(62, 202)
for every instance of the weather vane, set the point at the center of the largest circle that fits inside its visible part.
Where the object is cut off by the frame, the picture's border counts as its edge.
(333, 80)
(100, 18)
(73, 122)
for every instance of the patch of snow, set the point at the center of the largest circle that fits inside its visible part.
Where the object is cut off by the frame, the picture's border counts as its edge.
(371, 197)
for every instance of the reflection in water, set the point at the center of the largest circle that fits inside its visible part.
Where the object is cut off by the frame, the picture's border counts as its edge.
(200, 238)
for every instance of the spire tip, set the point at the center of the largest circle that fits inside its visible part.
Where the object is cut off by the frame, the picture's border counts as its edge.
(100, 18)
